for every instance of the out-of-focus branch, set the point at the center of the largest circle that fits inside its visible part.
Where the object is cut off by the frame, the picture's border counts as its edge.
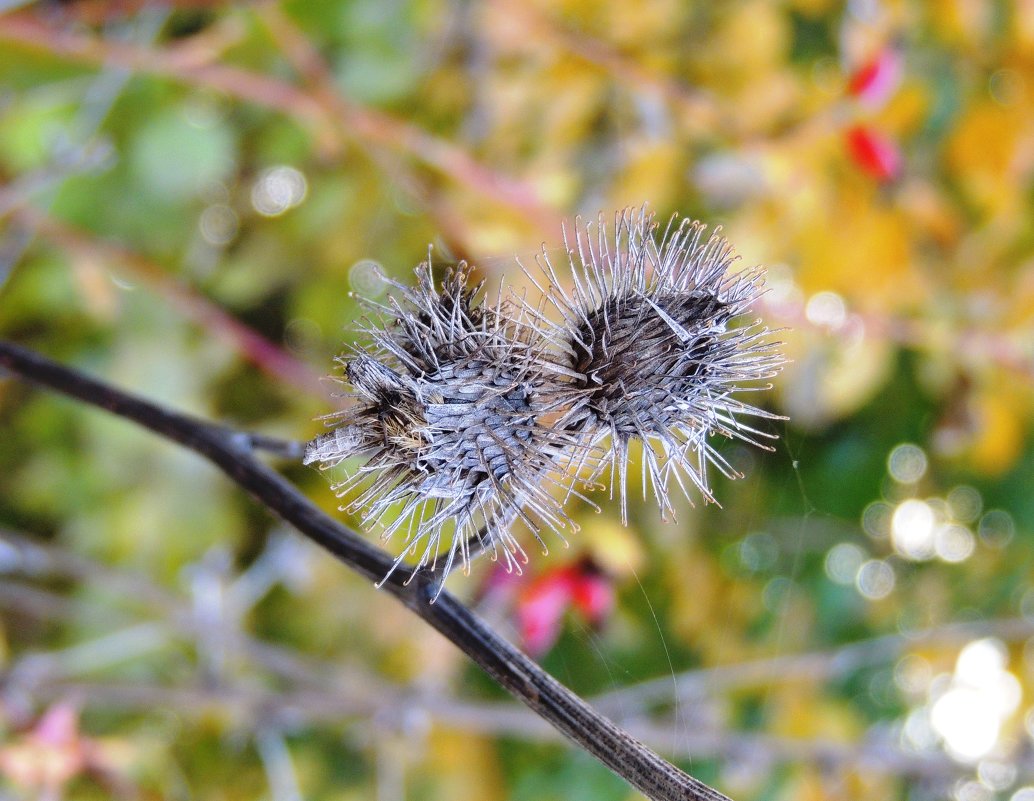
(35, 560)
(23, 29)
(82, 160)
(967, 345)
(809, 667)
(447, 157)
(264, 354)
(346, 116)
(317, 694)
(698, 113)
(316, 74)
(322, 703)
(77, 148)
(249, 705)
(513, 670)
(99, 12)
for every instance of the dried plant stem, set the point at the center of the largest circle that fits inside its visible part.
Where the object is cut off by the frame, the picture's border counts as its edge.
(522, 677)
(812, 666)
(326, 119)
(697, 112)
(268, 356)
(318, 80)
(318, 692)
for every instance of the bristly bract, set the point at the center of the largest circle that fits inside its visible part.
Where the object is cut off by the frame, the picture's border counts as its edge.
(447, 412)
(470, 415)
(650, 353)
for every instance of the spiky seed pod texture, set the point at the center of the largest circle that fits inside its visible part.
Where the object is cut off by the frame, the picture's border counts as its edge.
(645, 340)
(471, 415)
(445, 412)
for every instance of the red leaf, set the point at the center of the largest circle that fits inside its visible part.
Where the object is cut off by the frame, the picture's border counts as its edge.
(874, 153)
(877, 79)
(541, 610)
(58, 727)
(594, 596)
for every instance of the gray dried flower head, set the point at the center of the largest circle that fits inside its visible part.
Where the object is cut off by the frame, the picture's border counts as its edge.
(446, 411)
(645, 341)
(471, 415)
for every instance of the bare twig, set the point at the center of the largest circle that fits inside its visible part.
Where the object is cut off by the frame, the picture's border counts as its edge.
(249, 704)
(34, 560)
(289, 449)
(318, 79)
(314, 695)
(359, 121)
(260, 351)
(698, 112)
(513, 670)
(808, 667)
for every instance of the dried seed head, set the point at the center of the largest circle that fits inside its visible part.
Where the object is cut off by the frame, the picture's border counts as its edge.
(467, 413)
(447, 411)
(644, 337)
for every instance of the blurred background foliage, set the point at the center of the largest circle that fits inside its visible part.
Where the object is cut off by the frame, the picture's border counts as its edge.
(191, 191)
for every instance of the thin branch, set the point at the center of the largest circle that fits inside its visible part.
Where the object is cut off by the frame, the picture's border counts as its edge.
(513, 670)
(291, 450)
(313, 694)
(318, 79)
(698, 112)
(251, 705)
(31, 559)
(358, 121)
(253, 346)
(808, 667)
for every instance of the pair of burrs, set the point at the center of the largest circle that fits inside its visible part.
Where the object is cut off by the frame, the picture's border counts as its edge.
(471, 415)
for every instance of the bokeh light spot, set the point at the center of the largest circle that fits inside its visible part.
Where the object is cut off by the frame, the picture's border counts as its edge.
(912, 530)
(997, 528)
(278, 189)
(218, 224)
(907, 463)
(875, 579)
(826, 309)
(954, 543)
(966, 503)
(843, 561)
(366, 277)
(876, 519)
(967, 725)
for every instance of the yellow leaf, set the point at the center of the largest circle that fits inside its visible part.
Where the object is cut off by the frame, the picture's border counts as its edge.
(654, 170)
(613, 547)
(998, 430)
(986, 156)
(464, 766)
